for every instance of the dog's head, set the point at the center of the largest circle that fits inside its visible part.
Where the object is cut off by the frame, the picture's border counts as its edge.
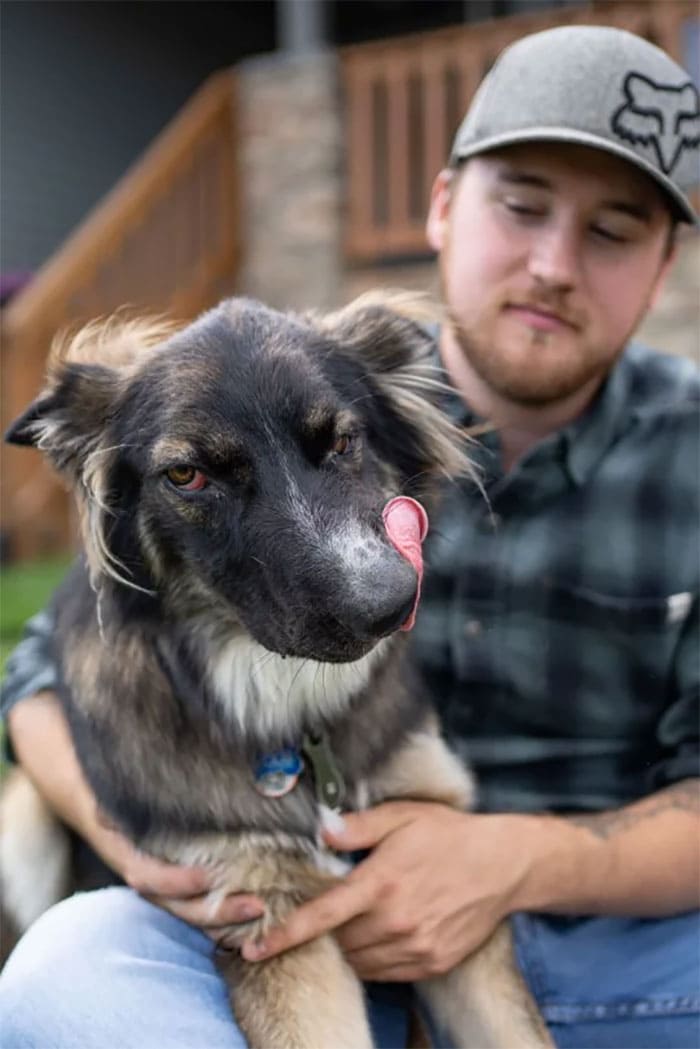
(238, 468)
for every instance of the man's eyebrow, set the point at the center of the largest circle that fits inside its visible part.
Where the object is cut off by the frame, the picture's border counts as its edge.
(523, 178)
(513, 177)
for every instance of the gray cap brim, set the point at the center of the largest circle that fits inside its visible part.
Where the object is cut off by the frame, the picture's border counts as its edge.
(680, 203)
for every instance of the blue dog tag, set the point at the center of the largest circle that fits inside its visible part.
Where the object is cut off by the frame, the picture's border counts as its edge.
(278, 773)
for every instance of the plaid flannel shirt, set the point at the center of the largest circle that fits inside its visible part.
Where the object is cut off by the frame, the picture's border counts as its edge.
(558, 629)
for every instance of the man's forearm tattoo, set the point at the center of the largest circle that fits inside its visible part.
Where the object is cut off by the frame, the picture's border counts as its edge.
(681, 797)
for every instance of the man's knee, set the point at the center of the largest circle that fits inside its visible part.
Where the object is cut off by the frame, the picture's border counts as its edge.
(78, 926)
(63, 944)
(107, 968)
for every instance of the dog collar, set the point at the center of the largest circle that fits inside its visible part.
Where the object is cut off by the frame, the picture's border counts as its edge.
(278, 773)
(328, 780)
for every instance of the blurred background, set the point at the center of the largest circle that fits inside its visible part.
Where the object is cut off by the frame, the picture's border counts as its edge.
(164, 154)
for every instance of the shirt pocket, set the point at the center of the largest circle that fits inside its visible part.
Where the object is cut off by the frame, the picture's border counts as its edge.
(603, 659)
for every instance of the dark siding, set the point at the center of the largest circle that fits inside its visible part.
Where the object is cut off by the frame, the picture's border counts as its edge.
(85, 87)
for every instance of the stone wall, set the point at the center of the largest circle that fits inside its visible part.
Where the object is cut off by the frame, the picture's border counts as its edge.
(292, 166)
(291, 144)
(674, 322)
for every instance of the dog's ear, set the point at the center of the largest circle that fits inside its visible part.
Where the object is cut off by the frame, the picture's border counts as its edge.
(88, 370)
(67, 420)
(392, 335)
(387, 330)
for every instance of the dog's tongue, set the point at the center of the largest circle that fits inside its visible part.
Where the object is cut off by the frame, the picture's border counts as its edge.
(406, 524)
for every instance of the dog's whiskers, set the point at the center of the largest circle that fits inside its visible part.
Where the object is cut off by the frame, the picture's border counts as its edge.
(292, 683)
(258, 666)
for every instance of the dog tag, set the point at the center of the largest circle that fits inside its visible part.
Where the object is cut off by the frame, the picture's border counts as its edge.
(278, 773)
(330, 787)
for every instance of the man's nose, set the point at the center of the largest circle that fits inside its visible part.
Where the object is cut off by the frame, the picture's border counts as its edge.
(554, 257)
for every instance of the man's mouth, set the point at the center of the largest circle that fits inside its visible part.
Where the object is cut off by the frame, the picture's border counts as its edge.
(540, 318)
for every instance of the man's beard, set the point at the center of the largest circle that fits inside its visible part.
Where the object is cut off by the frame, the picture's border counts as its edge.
(530, 386)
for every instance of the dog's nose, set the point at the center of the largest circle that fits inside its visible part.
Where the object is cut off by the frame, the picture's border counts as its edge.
(390, 621)
(380, 605)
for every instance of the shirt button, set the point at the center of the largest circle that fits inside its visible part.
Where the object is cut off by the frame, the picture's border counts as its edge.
(472, 628)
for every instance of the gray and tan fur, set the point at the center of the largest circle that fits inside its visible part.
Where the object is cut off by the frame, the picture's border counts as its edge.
(237, 591)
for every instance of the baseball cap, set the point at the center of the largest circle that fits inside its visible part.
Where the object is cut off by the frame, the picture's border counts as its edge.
(594, 86)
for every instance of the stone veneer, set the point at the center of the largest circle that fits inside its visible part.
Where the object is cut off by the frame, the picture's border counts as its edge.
(291, 141)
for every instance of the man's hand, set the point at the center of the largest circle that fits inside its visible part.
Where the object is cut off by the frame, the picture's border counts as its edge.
(183, 891)
(439, 881)
(435, 886)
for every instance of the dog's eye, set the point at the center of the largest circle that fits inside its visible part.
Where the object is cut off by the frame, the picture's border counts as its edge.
(343, 444)
(186, 477)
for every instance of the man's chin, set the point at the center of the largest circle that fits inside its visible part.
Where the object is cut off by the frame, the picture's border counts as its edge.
(531, 369)
(537, 383)
(538, 386)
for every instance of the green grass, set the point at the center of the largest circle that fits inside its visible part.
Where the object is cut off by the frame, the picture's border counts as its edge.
(24, 589)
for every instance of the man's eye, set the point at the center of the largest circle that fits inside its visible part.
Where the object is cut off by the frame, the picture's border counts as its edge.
(519, 207)
(186, 477)
(608, 234)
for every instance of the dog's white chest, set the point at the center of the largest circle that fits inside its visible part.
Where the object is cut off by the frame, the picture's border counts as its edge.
(266, 694)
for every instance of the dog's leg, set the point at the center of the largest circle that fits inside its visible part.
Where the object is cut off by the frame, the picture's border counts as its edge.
(34, 851)
(425, 769)
(308, 998)
(483, 1003)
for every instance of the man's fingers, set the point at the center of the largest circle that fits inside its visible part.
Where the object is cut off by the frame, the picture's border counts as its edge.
(152, 877)
(362, 830)
(363, 932)
(211, 911)
(395, 960)
(333, 908)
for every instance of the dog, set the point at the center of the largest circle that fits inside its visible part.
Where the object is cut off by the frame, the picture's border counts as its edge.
(229, 647)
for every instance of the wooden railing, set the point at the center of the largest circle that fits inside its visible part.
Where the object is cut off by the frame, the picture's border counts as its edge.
(165, 240)
(405, 97)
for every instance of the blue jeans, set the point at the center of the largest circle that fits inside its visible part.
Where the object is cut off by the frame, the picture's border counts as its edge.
(107, 970)
(623, 983)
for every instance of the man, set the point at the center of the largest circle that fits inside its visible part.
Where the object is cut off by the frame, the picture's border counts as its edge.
(559, 623)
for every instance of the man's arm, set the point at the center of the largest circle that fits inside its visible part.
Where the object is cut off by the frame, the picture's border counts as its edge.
(42, 745)
(438, 881)
(642, 859)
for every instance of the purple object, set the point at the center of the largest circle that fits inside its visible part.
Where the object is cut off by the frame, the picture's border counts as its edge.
(11, 283)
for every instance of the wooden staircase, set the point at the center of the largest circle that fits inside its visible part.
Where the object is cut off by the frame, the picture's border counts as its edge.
(166, 239)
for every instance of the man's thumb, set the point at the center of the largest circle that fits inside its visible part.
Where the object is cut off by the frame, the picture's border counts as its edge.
(362, 830)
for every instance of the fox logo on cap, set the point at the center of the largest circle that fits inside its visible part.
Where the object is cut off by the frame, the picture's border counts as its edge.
(658, 115)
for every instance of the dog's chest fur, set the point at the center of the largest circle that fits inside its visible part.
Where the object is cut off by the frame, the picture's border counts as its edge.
(171, 730)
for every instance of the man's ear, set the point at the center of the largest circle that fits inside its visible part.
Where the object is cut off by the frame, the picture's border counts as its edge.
(438, 213)
(68, 419)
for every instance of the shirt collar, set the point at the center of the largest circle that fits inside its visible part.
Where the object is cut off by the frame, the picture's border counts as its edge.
(587, 439)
